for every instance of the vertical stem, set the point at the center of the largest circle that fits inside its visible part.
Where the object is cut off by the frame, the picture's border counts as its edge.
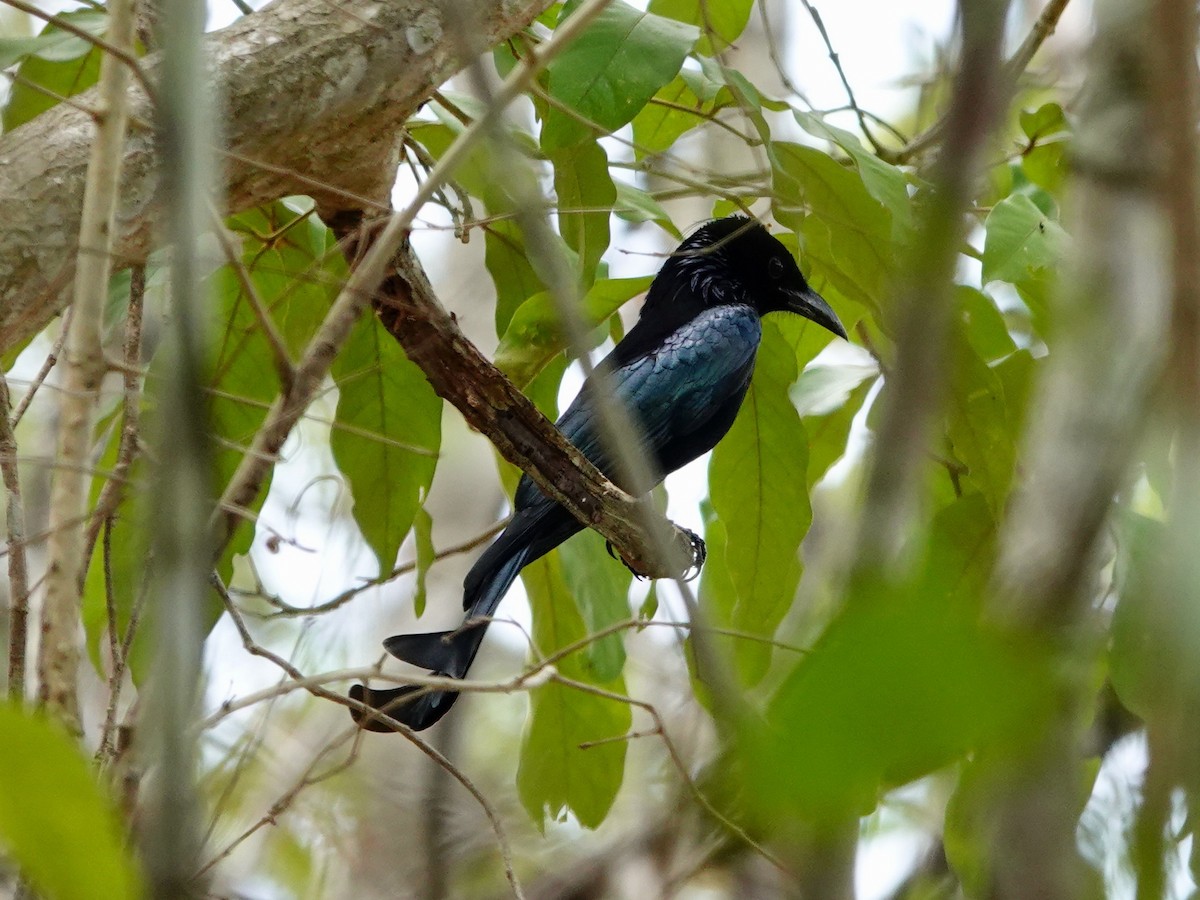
(1170, 725)
(58, 652)
(18, 577)
(914, 394)
(1087, 416)
(183, 542)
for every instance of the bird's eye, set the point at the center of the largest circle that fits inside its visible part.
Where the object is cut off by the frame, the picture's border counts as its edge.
(775, 267)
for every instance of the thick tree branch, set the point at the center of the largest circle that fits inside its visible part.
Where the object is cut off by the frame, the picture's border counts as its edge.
(360, 67)
(492, 405)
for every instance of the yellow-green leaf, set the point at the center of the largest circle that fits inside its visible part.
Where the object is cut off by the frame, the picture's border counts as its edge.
(55, 821)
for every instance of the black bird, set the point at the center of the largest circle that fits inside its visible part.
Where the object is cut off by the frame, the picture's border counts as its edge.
(682, 372)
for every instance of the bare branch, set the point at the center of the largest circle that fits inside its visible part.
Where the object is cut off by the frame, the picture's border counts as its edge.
(114, 487)
(58, 653)
(18, 577)
(314, 686)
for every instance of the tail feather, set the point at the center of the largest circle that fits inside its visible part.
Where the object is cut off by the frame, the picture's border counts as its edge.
(447, 653)
(411, 705)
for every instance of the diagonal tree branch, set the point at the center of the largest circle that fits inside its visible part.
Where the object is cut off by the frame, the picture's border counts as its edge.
(491, 404)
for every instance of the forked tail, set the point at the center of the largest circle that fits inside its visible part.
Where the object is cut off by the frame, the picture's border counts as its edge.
(447, 653)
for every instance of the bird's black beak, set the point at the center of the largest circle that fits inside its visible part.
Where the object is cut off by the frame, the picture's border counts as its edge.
(812, 306)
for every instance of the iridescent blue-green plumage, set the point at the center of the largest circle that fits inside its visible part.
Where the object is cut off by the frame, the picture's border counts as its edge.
(682, 372)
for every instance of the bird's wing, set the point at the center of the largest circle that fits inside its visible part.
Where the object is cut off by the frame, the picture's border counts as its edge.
(674, 390)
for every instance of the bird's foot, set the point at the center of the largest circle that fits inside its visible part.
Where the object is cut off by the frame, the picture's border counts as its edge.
(619, 558)
(699, 555)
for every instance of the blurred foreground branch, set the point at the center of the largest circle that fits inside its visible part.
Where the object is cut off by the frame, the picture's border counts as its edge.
(923, 305)
(1107, 351)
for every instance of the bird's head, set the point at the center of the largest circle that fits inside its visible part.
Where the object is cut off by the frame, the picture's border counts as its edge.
(736, 260)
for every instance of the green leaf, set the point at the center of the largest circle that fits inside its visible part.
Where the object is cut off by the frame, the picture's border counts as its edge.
(1047, 165)
(1016, 373)
(635, 205)
(758, 490)
(886, 183)
(983, 324)
(1020, 240)
(56, 823)
(534, 335)
(608, 74)
(721, 23)
(718, 596)
(54, 45)
(426, 554)
(847, 232)
(821, 389)
(659, 125)
(828, 433)
(63, 66)
(1045, 162)
(744, 94)
(978, 428)
(1152, 659)
(293, 262)
(600, 586)
(554, 774)
(386, 435)
(1045, 121)
(586, 195)
(507, 262)
(903, 682)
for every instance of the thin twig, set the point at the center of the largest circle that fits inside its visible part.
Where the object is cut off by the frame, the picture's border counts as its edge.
(286, 610)
(47, 365)
(837, 64)
(680, 766)
(1042, 29)
(773, 52)
(285, 801)
(314, 687)
(127, 449)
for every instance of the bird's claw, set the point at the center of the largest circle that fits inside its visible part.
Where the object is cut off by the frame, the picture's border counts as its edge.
(613, 553)
(699, 555)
